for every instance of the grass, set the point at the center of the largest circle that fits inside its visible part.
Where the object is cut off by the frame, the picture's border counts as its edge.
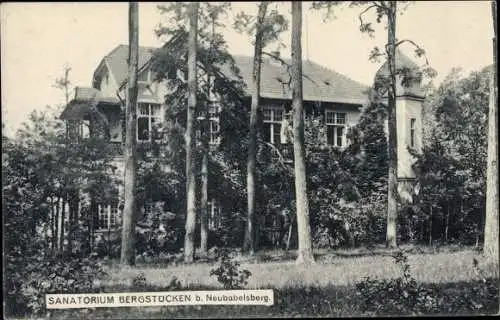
(331, 268)
(326, 289)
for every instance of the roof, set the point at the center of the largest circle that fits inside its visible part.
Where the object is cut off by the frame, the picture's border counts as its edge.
(80, 107)
(403, 62)
(117, 60)
(320, 83)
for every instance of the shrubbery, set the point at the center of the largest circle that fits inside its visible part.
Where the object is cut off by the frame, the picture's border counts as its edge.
(404, 295)
(30, 278)
(228, 272)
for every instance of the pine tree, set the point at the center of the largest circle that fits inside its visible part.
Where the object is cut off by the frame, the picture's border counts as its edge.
(305, 253)
(127, 256)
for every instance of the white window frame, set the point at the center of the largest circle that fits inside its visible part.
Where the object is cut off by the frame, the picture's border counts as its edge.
(214, 214)
(336, 120)
(108, 217)
(275, 130)
(214, 123)
(149, 116)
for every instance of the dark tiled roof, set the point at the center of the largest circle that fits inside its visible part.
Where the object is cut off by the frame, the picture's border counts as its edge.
(320, 83)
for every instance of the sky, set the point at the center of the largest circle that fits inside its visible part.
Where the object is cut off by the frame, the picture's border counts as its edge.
(39, 39)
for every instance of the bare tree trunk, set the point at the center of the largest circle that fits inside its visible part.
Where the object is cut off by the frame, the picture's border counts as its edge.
(72, 217)
(392, 206)
(127, 254)
(430, 227)
(61, 224)
(91, 224)
(189, 248)
(491, 223)
(447, 223)
(57, 218)
(249, 238)
(305, 253)
(204, 186)
(53, 219)
(289, 236)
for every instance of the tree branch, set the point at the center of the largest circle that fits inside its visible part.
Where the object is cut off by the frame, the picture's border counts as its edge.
(283, 62)
(280, 155)
(360, 16)
(422, 52)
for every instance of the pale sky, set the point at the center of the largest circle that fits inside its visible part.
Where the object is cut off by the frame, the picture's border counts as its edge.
(38, 39)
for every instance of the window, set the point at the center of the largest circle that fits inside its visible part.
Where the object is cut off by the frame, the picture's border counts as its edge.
(272, 124)
(148, 119)
(214, 213)
(78, 130)
(108, 217)
(412, 132)
(335, 128)
(84, 129)
(214, 124)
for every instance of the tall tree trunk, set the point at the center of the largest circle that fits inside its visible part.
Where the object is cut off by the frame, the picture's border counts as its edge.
(447, 223)
(430, 227)
(57, 218)
(53, 219)
(127, 254)
(392, 205)
(204, 184)
(61, 224)
(72, 217)
(189, 248)
(290, 227)
(93, 210)
(491, 223)
(305, 253)
(249, 238)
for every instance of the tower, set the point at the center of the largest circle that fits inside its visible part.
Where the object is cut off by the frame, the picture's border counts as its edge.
(409, 102)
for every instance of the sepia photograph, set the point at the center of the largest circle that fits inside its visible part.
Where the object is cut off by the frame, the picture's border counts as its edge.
(249, 159)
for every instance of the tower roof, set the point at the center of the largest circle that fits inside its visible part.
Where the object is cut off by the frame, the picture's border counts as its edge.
(409, 73)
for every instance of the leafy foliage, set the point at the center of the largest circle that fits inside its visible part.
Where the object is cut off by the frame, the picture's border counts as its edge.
(403, 295)
(228, 272)
(37, 167)
(452, 166)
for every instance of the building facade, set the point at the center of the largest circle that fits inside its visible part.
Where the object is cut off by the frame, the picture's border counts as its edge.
(337, 98)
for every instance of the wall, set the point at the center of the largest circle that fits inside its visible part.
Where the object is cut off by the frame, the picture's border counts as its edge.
(108, 88)
(407, 108)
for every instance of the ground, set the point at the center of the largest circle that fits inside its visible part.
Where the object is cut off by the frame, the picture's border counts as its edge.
(332, 280)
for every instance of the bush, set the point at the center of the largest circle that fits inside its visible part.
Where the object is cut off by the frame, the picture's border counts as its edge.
(403, 295)
(41, 275)
(228, 273)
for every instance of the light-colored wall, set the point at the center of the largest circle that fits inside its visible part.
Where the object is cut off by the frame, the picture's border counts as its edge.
(108, 89)
(407, 108)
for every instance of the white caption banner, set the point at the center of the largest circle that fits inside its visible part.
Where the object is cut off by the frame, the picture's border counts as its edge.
(152, 299)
